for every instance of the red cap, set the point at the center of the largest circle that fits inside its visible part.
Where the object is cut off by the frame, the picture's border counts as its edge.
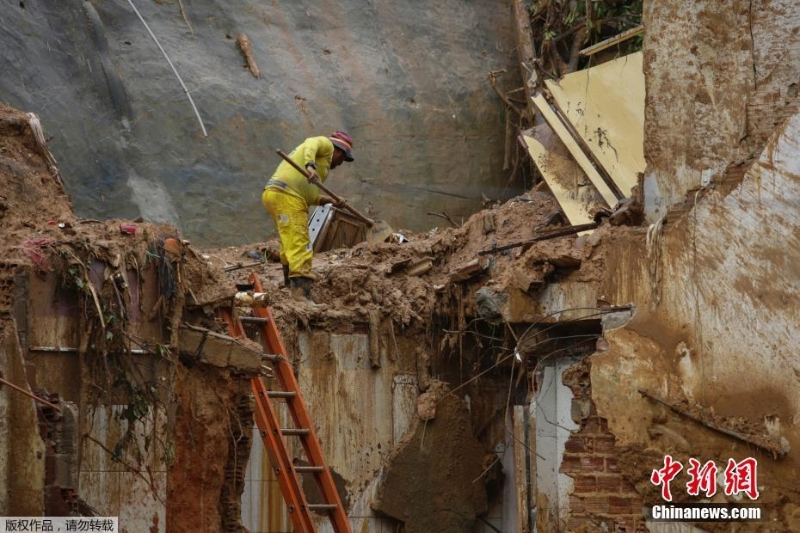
(344, 142)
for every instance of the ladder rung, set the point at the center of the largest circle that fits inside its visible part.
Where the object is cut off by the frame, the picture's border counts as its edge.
(295, 431)
(323, 506)
(254, 319)
(271, 357)
(281, 394)
(309, 469)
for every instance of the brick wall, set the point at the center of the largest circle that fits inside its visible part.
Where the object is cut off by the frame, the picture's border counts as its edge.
(600, 493)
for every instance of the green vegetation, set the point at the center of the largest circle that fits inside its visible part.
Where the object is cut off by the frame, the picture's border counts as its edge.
(561, 28)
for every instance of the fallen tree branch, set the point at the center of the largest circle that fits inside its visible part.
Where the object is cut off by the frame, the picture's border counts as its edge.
(185, 18)
(239, 266)
(443, 215)
(247, 51)
(493, 81)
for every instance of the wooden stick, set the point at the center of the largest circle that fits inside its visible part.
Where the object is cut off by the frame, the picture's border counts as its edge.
(26, 393)
(570, 230)
(239, 266)
(611, 41)
(329, 192)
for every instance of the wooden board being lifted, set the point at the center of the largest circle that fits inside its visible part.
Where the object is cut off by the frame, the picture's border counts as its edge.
(330, 228)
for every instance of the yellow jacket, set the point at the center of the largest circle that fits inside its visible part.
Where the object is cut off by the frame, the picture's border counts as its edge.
(317, 150)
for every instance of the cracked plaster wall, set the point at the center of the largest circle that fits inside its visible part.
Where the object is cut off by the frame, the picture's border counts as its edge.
(718, 79)
(718, 326)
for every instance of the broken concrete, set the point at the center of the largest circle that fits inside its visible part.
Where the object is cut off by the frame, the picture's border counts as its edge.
(219, 350)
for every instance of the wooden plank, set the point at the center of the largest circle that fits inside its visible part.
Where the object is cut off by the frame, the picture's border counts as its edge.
(521, 456)
(604, 105)
(575, 194)
(611, 41)
(577, 152)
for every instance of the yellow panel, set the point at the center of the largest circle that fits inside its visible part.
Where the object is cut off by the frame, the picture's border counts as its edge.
(561, 173)
(577, 152)
(605, 105)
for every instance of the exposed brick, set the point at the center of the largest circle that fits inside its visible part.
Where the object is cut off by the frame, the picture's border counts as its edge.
(575, 444)
(604, 444)
(621, 505)
(575, 505)
(631, 524)
(611, 465)
(590, 463)
(579, 524)
(595, 503)
(591, 426)
(585, 483)
(570, 464)
(595, 425)
(609, 483)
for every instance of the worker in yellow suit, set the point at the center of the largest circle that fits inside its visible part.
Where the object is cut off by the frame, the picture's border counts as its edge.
(288, 195)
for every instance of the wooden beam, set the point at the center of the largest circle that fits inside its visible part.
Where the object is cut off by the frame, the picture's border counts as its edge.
(521, 457)
(577, 152)
(611, 41)
(561, 173)
(526, 55)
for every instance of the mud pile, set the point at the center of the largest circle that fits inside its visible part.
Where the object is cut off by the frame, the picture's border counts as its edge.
(408, 282)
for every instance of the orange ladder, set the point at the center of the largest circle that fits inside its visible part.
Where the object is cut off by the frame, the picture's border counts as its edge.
(274, 436)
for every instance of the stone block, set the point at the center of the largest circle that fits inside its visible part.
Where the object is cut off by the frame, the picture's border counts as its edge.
(216, 350)
(189, 340)
(245, 356)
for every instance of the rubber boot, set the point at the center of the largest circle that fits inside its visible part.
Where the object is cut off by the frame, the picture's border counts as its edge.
(285, 275)
(301, 288)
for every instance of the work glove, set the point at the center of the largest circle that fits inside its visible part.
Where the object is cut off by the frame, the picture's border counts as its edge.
(323, 200)
(312, 175)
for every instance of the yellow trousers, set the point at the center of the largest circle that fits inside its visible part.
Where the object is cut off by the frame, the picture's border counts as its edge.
(290, 215)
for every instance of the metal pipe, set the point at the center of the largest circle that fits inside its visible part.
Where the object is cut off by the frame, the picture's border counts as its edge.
(69, 349)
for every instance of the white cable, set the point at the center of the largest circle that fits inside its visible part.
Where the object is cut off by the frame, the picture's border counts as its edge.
(205, 134)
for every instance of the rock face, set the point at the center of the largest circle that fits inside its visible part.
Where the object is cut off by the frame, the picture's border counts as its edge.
(407, 80)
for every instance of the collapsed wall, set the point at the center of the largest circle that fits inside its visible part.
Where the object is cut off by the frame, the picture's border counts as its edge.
(574, 365)
(91, 315)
